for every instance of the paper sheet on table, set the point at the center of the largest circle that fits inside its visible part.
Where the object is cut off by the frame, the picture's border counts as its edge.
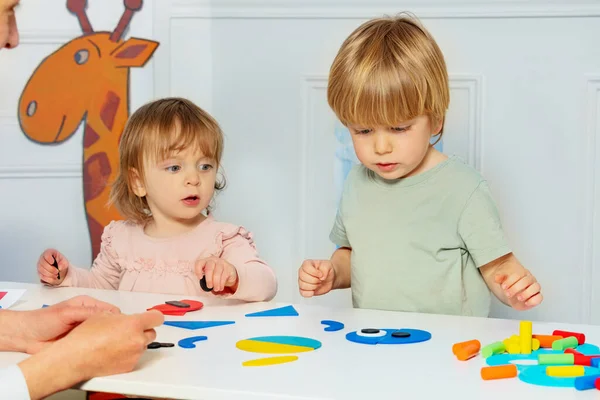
(8, 297)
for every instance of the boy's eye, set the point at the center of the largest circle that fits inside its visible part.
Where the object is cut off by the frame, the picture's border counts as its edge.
(173, 168)
(400, 128)
(362, 131)
(205, 167)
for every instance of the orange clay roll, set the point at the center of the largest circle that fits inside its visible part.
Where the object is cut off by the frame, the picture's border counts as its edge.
(468, 343)
(547, 340)
(499, 372)
(468, 350)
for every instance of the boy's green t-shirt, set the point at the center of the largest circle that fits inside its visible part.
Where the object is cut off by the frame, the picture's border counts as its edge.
(417, 242)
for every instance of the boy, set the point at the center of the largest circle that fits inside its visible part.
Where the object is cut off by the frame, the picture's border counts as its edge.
(417, 231)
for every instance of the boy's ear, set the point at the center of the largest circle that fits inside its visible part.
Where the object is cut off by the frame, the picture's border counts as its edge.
(438, 127)
(134, 52)
(137, 185)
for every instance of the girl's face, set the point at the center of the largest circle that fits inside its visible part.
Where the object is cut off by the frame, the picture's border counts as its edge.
(178, 188)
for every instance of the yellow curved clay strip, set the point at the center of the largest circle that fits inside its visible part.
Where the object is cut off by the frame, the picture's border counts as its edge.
(269, 361)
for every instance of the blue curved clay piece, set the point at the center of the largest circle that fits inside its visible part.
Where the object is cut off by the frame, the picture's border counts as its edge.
(416, 336)
(332, 326)
(190, 342)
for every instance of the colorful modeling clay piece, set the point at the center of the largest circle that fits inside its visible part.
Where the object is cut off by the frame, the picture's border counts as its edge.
(565, 334)
(499, 372)
(169, 309)
(385, 336)
(586, 382)
(556, 359)
(466, 350)
(562, 344)
(567, 371)
(491, 349)
(278, 344)
(190, 343)
(525, 329)
(193, 325)
(332, 326)
(546, 340)
(261, 362)
(287, 311)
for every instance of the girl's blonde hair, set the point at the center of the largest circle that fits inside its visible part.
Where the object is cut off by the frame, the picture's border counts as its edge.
(388, 70)
(153, 133)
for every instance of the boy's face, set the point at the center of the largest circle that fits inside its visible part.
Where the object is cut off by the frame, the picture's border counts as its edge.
(394, 152)
(178, 188)
(9, 34)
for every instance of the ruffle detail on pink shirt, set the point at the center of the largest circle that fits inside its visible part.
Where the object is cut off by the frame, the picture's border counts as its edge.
(173, 266)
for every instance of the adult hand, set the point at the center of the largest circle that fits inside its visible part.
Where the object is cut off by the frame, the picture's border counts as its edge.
(105, 344)
(30, 331)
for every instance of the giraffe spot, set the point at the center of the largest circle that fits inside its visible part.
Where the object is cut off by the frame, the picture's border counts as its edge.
(95, 229)
(89, 136)
(109, 109)
(131, 51)
(96, 171)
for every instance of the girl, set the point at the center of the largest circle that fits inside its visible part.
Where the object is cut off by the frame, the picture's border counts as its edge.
(169, 152)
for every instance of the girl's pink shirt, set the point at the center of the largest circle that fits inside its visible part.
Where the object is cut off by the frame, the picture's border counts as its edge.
(133, 261)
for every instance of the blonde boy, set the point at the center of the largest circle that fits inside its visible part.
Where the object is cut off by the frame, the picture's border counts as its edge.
(418, 231)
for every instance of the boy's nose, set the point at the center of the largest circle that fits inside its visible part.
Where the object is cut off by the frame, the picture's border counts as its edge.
(382, 145)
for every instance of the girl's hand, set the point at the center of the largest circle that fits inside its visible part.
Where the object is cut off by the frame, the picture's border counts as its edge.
(52, 267)
(218, 272)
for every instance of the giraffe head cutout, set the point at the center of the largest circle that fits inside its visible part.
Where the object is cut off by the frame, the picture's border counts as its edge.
(87, 80)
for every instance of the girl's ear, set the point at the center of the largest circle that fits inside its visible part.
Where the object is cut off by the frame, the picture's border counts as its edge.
(137, 183)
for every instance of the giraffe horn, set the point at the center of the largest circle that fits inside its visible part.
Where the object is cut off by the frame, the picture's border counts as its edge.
(78, 7)
(131, 6)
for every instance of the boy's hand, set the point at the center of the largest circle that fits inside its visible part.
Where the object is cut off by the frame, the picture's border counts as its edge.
(47, 270)
(315, 277)
(219, 274)
(522, 290)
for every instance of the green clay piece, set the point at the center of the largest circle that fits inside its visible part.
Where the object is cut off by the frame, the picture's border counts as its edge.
(492, 349)
(566, 343)
(556, 359)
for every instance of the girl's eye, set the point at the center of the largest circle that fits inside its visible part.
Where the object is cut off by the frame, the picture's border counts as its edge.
(205, 167)
(363, 131)
(173, 168)
(400, 128)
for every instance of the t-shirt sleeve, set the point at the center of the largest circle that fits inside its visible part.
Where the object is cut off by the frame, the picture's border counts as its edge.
(338, 232)
(481, 229)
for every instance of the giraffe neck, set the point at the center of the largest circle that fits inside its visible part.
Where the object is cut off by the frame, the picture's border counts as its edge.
(103, 129)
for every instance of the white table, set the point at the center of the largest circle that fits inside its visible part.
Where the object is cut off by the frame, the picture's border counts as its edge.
(340, 369)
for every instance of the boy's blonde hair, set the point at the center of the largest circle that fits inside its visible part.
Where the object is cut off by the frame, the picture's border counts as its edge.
(388, 70)
(153, 133)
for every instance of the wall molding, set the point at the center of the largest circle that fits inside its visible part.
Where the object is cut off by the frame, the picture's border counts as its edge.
(47, 36)
(589, 296)
(350, 9)
(41, 171)
(474, 87)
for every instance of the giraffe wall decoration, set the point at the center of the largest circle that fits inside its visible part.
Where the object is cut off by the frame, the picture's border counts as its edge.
(87, 80)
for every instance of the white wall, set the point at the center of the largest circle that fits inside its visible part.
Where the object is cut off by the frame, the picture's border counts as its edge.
(525, 79)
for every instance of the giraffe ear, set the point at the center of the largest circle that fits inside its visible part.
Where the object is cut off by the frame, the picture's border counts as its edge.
(134, 52)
